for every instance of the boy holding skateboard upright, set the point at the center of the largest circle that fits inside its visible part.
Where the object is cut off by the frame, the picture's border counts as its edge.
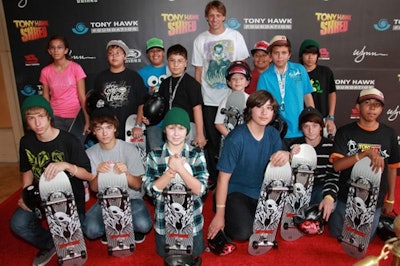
(366, 138)
(46, 150)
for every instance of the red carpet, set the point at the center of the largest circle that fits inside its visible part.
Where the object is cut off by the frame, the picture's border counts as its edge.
(310, 250)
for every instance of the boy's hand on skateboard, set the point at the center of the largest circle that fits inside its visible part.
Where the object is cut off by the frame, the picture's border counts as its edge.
(53, 169)
(279, 158)
(377, 162)
(104, 167)
(120, 168)
(176, 163)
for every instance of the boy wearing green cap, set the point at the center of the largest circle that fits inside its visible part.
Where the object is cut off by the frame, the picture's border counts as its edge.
(322, 81)
(153, 74)
(46, 150)
(168, 163)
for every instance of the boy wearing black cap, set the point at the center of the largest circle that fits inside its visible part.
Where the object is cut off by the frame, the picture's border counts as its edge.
(168, 163)
(322, 81)
(366, 138)
(123, 88)
(47, 150)
(325, 185)
(121, 157)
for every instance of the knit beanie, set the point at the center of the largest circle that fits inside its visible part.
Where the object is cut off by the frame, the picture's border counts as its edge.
(36, 101)
(177, 116)
(307, 43)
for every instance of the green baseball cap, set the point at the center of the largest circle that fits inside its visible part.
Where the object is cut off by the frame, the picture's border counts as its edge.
(154, 43)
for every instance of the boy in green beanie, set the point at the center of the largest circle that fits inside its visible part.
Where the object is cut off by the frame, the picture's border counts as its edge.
(168, 164)
(46, 150)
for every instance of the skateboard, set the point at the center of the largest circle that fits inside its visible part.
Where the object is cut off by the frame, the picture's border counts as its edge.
(178, 200)
(360, 208)
(303, 165)
(62, 217)
(233, 112)
(269, 208)
(116, 209)
(77, 126)
(140, 142)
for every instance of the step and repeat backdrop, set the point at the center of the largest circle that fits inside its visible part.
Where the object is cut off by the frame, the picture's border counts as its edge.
(359, 39)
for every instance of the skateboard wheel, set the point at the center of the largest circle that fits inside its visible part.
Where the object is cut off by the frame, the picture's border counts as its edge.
(361, 248)
(110, 250)
(254, 244)
(290, 189)
(71, 253)
(83, 254)
(275, 244)
(166, 248)
(285, 226)
(189, 249)
(131, 247)
(340, 238)
(60, 260)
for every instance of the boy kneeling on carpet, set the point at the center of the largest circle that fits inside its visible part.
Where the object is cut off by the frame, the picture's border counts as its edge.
(165, 165)
(46, 150)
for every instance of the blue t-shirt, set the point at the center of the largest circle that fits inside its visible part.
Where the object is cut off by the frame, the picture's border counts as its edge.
(153, 76)
(246, 158)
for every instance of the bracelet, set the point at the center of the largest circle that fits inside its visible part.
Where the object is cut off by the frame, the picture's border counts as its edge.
(137, 125)
(357, 158)
(75, 171)
(389, 201)
(220, 206)
(329, 117)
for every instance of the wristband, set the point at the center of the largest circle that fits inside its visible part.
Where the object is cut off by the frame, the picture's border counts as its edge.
(75, 171)
(357, 158)
(138, 125)
(329, 117)
(389, 201)
(330, 198)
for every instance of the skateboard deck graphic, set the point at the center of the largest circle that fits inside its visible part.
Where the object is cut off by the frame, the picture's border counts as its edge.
(116, 208)
(360, 208)
(178, 200)
(62, 217)
(140, 142)
(269, 208)
(303, 165)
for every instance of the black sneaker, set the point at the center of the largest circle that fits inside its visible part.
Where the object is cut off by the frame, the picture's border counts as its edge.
(139, 237)
(104, 240)
(43, 257)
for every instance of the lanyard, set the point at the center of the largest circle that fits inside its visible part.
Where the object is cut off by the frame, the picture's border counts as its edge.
(281, 82)
(173, 92)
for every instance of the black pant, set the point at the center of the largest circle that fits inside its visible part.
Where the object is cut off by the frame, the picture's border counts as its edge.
(239, 216)
(211, 150)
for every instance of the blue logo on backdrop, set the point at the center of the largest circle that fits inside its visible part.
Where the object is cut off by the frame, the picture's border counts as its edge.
(232, 23)
(382, 25)
(80, 28)
(28, 90)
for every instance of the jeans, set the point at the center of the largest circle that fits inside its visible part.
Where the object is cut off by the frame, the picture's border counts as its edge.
(239, 216)
(154, 137)
(26, 225)
(336, 220)
(93, 226)
(198, 244)
(316, 194)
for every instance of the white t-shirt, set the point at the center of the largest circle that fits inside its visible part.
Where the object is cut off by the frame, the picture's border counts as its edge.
(214, 53)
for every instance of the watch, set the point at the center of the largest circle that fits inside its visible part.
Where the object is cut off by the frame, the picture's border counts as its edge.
(329, 117)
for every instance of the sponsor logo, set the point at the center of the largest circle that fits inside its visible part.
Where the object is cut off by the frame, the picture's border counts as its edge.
(232, 23)
(28, 90)
(354, 84)
(31, 30)
(114, 26)
(324, 54)
(86, 1)
(80, 28)
(80, 57)
(396, 23)
(267, 23)
(31, 60)
(393, 113)
(179, 24)
(22, 3)
(133, 56)
(331, 23)
(382, 25)
(359, 55)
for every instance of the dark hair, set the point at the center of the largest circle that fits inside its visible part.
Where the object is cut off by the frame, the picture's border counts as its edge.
(177, 49)
(309, 50)
(218, 5)
(101, 119)
(63, 40)
(258, 99)
(311, 118)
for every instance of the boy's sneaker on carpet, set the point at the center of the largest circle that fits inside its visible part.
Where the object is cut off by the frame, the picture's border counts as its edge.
(139, 238)
(104, 240)
(43, 257)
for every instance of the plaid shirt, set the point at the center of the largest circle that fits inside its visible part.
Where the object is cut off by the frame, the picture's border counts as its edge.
(156, 166)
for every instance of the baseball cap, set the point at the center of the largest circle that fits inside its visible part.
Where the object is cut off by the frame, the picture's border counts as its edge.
(238, 67)
(308, 43)
(36, 101)
(372, 93)
(280, 40)
(307, 112)
(261, 45)
(119, 43)
(154, 43)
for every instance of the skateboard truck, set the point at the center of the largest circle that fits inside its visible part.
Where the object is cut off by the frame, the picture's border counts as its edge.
(264, 242)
